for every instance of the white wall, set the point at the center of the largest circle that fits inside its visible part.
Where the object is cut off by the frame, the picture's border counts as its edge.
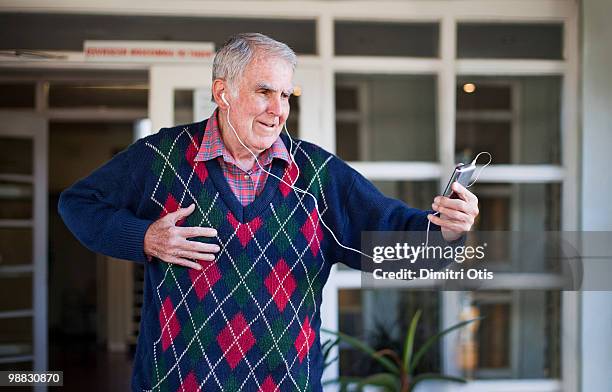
(596, 318)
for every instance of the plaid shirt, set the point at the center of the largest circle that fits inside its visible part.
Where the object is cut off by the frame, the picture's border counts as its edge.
(245, 184)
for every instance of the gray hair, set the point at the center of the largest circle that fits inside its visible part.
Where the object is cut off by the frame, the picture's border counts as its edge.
(237, 52)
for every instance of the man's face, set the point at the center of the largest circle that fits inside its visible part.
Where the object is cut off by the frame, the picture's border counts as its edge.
(261, 106)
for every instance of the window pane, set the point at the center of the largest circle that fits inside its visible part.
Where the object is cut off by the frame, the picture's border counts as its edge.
(521, 209)
(516, 119)
(15, 200)
(347, 98)
(17, 95)
(518, 207)
(98, 95)
(16, 293)
(381, 318)
(386, 117)
(17, 155)
(68, 31)
(15, 339)
(386, 39)
(294, 115)
(418, 194)
(518, 338)
(510, 40)
(183, 107)
(15, 246)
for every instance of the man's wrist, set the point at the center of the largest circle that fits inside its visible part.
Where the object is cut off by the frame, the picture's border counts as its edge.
(451, 236)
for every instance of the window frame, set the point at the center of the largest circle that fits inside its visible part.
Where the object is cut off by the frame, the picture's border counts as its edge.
(447, 67)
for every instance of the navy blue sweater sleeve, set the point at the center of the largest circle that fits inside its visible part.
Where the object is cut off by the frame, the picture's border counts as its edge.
(367, 209)
(100, 209)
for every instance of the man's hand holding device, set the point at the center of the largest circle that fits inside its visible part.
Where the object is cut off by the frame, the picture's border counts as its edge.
(457, 207)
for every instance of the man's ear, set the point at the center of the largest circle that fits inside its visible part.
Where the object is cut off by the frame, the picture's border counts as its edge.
(219, 88)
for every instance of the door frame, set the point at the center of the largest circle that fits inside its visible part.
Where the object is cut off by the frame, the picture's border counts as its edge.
(32, 125)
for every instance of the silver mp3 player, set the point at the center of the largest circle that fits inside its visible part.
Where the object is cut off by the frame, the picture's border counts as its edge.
(463, 175)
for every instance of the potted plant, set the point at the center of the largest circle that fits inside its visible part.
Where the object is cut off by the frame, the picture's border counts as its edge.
(399, 374)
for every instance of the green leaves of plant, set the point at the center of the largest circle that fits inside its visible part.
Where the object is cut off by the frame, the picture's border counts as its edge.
(429, 342)
(399, 376)
(410, 341)
(386, 363)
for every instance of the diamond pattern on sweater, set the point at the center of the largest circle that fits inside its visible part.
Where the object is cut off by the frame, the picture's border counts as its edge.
(279, 335)
(316, 170)
(236, 339)
(212, 213)
(289, 178)
(303, 382)
(173, 327)
(161, 370)
(245, 231)
(250, 334)
(170, 206)
(205, 335)
(280, 284)
(199, 168)
(282, 227)
(189, 384)
(268, 385)
(232, 280)
(312, 232)
(306, 291)
(304, 340)
(232, 384)
(178, 273)
(204, 279)
(161, 165)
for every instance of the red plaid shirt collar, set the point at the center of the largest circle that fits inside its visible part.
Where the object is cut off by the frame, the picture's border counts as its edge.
(245, 185)
(212, 146)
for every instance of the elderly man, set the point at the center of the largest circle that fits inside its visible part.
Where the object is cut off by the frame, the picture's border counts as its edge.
(236, 254)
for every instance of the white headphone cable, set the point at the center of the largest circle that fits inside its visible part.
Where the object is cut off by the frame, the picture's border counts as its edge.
(295, 188)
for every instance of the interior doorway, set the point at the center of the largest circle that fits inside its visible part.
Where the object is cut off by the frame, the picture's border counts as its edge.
(65, 124)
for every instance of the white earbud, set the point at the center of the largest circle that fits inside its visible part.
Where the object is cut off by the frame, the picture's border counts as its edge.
(224, 100)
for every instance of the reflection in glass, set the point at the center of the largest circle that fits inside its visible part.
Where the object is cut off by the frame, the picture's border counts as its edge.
(418, 194)
(68, 31)
(293, 119)
(518, 207)
(386, 39)
(521, 209)
(510, 40)
(516, 119)
(386, 117)
(518, 338)
(183, 107)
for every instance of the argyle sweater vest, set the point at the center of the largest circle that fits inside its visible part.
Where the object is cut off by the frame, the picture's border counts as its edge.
(249, 321)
